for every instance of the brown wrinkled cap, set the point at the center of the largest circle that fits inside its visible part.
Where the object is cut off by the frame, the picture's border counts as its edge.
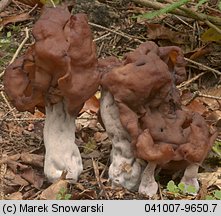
(144, 89)
(60, 65)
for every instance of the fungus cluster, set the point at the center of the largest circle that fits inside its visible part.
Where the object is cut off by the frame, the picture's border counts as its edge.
(141, 106)
(57, 74)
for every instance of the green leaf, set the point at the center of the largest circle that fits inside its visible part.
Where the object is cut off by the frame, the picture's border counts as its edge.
(62, 190)
(209, 197)
(171, 187)
(9, 34)
(181, 186)
(217, 194)
(217, 148)
(58, 196)
(211, 35)
(191, 189)
(67, 196)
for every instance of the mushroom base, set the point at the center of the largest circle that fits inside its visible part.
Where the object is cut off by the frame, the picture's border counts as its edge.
(149, 186)
(125, 169)
(62, 153)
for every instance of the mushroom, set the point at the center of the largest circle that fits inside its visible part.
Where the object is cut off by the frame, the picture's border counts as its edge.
(125, 169)
(57, 74)
(141, 104)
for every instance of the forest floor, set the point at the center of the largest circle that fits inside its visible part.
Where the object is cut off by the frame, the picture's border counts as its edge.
(117, 29)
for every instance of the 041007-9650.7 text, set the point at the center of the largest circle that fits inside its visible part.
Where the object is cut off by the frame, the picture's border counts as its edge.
(177, 207)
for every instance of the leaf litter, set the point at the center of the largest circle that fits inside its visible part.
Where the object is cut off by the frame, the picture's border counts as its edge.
(22, 149)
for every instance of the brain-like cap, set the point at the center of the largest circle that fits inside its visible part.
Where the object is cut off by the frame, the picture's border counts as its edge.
(60, 65)
(144, 90)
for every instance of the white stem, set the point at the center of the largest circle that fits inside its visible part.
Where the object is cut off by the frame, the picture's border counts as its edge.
(62, 153)
(148, 185)
(125, 170)
(190, 176)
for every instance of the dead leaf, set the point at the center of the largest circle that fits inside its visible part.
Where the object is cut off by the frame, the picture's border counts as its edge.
(84, 119)
(211, 35)
(86, 194)
(100, 136)
(202, 191)
(211, 178)
(30, 194)
(87, 163)
(197, 106)
(14, 18)
(93, 154)
(211, 103)
(214, 118)
(199, 52)
(33, 159)
(15, 128)
(15, 196)
(92, 105)
(157, 31)
(52, 191)
(79, 186)
(12, 179)
(12, 162)
(33, 177)
(38, 114)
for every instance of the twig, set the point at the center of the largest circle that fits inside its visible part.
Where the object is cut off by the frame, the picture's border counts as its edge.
(183, 21)
(160, 191)
(199, 94)
(7, 103)
(201, 17)
(211, 25)
(185, 103)
(96, 172)
(186, 83)
(129, 37)
(19, 48)
(101, 37)
(22, 119)
(4, 4)
(203, 66)
(3, 169)
(36, 5)
(21, 45)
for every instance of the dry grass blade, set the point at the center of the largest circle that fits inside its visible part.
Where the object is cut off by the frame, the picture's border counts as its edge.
(129, 37)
